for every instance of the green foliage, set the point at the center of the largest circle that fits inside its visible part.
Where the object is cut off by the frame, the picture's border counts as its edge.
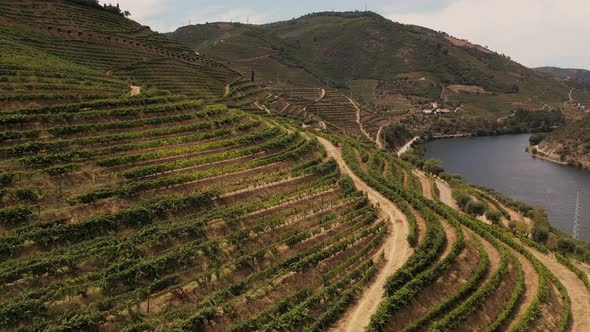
(433, 166)
(395, 136)
(475, 208)
(536, 138)
(540, 234)
(565, 245)
(494, 216)
(15, 215)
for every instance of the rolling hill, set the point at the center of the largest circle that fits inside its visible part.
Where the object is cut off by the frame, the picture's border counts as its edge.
(582, 76)
(148, 188)
(392, 72)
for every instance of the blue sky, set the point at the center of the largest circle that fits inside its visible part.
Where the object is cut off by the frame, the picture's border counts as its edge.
(532, 32)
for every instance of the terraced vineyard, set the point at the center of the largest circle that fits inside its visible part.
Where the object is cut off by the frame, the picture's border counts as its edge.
(190, 206)
(339, 111)
(465, 274)
(148, 209)
(108, 43)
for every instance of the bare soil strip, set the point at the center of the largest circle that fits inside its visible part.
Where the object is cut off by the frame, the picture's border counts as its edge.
(406, 146)
(396, 249)
(531, 286)
(379, 139)
(578, 293)
(426, 184)
(358, 119)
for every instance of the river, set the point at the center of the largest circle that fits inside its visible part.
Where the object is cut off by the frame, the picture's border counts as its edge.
(500, 162)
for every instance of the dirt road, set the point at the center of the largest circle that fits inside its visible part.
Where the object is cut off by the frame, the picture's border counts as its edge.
(446, 194)
(407, 146)
(426, 184)
(358, 119)
(578, 293)
(396, 249)
(379, 139)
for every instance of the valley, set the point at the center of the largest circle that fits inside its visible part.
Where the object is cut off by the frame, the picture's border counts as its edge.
(235, 177)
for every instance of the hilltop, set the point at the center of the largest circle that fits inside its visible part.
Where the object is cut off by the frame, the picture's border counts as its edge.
(395, 73)
(148, 188)
(581, 76)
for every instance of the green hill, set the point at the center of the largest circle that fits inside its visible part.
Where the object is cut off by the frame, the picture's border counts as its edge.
(580, 75)
(114, 47)
(394, 71)
(202, 203)
(386, 64)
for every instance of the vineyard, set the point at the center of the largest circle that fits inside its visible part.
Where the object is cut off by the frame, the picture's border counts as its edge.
(203, 203)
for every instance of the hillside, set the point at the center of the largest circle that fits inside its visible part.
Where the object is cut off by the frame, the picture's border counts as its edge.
(581, 76)
(394, 73)
(115, 47)
(394, 69)
(147, 188)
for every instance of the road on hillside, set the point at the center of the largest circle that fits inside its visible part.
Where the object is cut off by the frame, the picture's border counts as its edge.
(396, 249)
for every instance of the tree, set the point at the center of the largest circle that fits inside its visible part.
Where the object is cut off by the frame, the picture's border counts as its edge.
(565, 245)
(512, 225)
(493, 216)
(475, 208)
(462, 199)
(433, 166)
(541, 234)
(535, 139)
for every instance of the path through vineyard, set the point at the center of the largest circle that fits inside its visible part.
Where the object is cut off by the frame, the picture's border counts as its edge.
(396, 249)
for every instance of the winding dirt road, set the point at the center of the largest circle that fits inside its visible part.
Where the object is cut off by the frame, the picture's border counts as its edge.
(358, 119)
(396, 249)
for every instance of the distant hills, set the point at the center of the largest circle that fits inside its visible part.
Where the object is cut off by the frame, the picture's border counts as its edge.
(385, 64)
(580, 75)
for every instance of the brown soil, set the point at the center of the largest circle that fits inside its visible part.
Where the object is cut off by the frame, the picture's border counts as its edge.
(531, 286)
(426, 184)
(395, 248)
(446, 194)
(135, 90)
(444, 287)
(492, 305)
(577, 291)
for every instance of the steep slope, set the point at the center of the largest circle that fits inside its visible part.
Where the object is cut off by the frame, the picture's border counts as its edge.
(152, 210)
(112, 44)
(394, 69)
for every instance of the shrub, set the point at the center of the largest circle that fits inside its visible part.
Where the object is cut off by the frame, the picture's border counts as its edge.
(15, 214)
(433, 166)
(462, 199)
(535, 139)
(565, 245)
(475, 208)
(493, 216)
(541, 234)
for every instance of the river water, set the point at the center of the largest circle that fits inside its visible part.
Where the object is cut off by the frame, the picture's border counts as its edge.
(499, 162)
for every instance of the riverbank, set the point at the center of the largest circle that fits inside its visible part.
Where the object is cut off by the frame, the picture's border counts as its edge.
(536, 152)
(501, 163)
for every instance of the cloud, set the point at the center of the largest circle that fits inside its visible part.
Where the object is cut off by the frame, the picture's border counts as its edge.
(533, 32)
(167, 15)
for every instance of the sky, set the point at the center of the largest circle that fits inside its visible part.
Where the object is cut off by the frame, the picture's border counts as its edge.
(532, 32)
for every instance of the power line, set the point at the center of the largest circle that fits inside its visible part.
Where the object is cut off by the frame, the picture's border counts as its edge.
(576, 230)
